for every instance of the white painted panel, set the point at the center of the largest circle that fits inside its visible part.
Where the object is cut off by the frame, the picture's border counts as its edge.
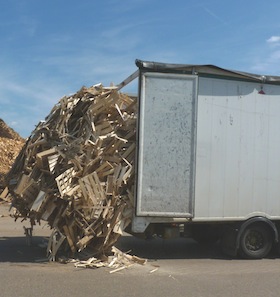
(261, 152)
(218, 141)
(232, 150)
(246, 156)
(238, 142)
(273, 162)
(203, 151)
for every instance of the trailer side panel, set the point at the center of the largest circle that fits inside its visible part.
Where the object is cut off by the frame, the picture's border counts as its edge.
(238, 145)
(167, 115)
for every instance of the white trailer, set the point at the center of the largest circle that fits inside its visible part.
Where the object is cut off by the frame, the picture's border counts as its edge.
(208, 149)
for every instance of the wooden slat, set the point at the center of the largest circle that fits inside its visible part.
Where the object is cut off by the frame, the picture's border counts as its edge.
(39, 201)
(69, 238)
(76, 171)
(64, 181)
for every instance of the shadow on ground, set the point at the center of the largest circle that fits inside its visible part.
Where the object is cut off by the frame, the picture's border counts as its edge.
(177, 248)
(16, 249)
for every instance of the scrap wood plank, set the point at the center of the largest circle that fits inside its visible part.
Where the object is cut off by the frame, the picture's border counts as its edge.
(111, 158)
(110, 147)
(60, 207)
(29, 192)
(130, 195)
(64, 181)
(130, 134)
(129, 152)
(107, 208)
(104, 128)
(120, 268)
(122, 139)
(111, 98)
(55, 241)
(42, 157)
(92, 188)
(87, 189)
(90, 263)
(92, 163)
(5, 194)
(121, 173)
(126, 258)
(23, 182)
(120, 226)
(113, 221)
(77, 166)
(105, 166)
(52, 161)
(48, 210)
(84, 241)
(103, 174)
(91, 229)
(39, 200)
(69, 238)
(93, 90)
(98, 106)
(128, 172)
(110, 185)
(95, 212)
(124, 220)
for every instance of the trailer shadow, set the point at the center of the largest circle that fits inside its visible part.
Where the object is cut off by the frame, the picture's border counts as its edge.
(17, 250)
(177, 248)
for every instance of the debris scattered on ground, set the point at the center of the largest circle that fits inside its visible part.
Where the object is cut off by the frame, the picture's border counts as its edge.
(118, 261)
(76, 171)
(10, 145)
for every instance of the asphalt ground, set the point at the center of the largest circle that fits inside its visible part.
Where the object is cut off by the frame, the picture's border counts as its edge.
(176, 267)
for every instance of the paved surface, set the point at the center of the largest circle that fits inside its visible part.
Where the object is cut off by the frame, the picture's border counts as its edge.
(175, 268)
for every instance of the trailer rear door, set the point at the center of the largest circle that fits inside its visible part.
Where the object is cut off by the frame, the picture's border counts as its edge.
(166, 145)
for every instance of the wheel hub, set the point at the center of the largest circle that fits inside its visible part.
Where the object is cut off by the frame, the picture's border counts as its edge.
(254, 241)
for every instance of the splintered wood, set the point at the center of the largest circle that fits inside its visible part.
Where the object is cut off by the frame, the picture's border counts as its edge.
(76, 171)
(118, 261)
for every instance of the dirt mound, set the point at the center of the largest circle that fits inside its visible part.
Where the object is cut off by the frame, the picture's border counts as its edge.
(7, 132)
(10, 145)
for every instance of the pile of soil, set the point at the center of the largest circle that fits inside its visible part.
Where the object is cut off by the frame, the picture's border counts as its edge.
(10, 145)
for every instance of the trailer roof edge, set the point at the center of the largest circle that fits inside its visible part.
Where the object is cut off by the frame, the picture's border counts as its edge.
(204, 69)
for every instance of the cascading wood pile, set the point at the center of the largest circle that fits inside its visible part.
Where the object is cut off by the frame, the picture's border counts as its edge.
(76, 171)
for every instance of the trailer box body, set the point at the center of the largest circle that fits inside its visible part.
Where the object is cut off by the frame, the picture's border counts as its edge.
(208, 145)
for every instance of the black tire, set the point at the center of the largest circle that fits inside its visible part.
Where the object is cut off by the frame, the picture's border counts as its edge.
(255, 241)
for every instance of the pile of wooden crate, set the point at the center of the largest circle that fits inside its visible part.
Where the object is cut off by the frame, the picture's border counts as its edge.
(76, 171)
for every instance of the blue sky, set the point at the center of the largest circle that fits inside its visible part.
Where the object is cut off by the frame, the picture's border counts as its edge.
(52, 48)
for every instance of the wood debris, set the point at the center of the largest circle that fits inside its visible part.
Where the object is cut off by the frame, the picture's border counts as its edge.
(118, 261)
(75, 171)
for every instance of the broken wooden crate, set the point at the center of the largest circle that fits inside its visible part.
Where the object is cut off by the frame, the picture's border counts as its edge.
(76, 171)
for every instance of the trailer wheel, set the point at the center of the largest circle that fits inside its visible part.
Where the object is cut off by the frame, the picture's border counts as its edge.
(255, 241)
